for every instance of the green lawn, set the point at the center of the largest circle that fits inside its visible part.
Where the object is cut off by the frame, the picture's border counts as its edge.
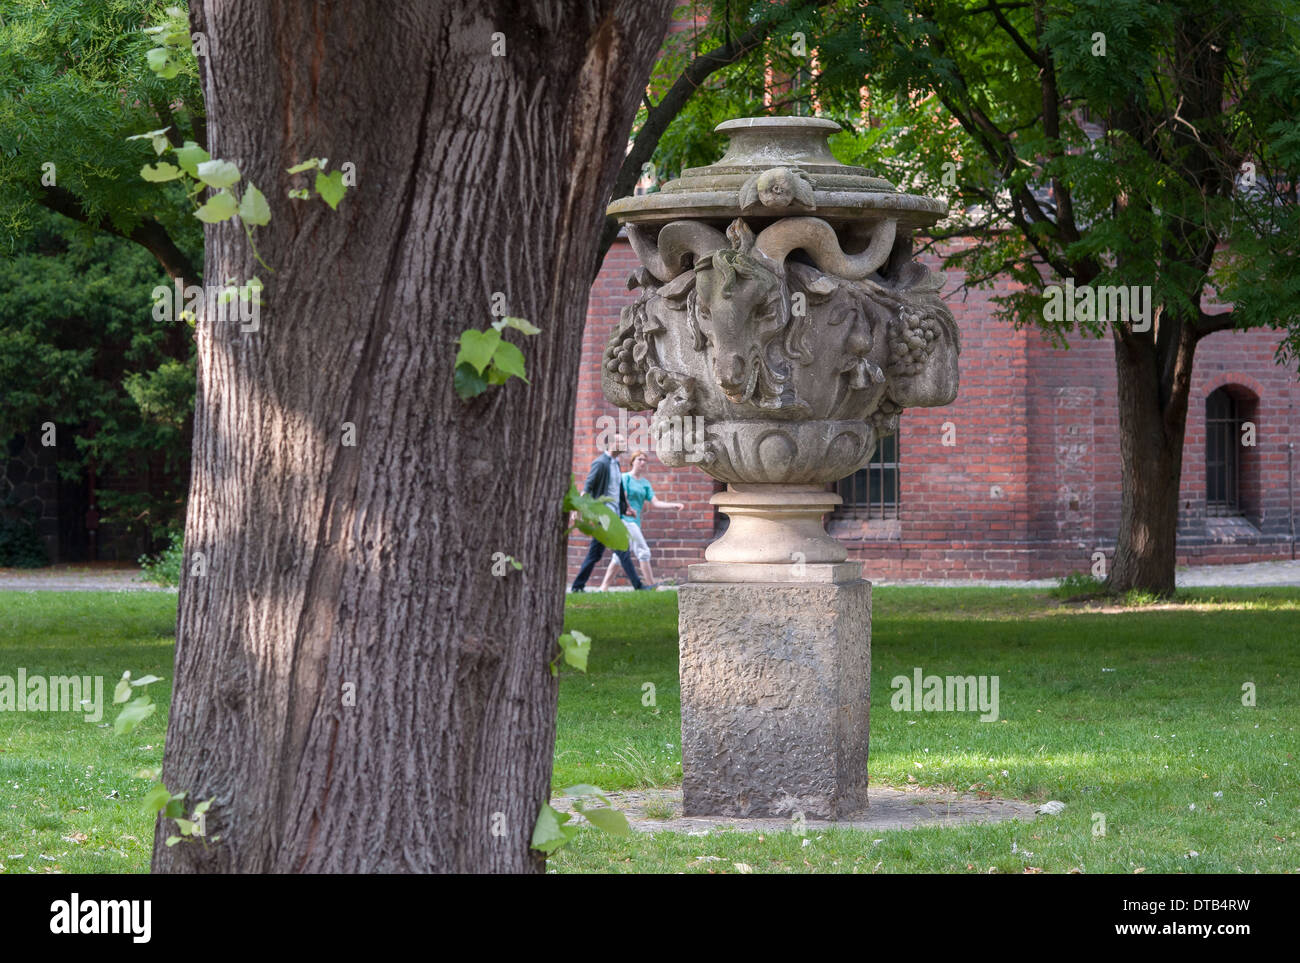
(70, 789)
(1161, 744)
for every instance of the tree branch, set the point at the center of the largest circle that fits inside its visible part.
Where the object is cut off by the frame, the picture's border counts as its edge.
(670, 105)
(149, 234)
(1034, 56)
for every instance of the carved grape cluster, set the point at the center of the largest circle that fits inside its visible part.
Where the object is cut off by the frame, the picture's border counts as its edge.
(912, 341)
(619, 362)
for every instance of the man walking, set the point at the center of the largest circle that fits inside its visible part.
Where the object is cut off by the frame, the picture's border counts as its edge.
(606, 479)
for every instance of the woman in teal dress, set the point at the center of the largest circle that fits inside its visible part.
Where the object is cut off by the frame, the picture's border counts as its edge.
(640, 494)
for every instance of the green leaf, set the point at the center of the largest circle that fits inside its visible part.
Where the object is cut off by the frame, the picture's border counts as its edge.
(313, 163)
(519, 324)
(155, 799)
(610, 820)
(477, 348)
(162, 171)
(576, 648)
(550, 832)
(186, 827)
(150, 134)
(173, 840)
(331, 189)
(159, 60)
(508, 359)
(253, 209)
(158, 138)
(123, 690)
(136, 711)
(217, 173)
(190, 155)
(203, 807)
(585, 789)
(146, 680)
(595, 518)
(175, 807)
(220, 207)
(468, 382)
(300, 194)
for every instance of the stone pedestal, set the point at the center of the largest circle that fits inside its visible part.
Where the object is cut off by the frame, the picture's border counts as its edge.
(782, 326)
(775, 524)
(775, 692)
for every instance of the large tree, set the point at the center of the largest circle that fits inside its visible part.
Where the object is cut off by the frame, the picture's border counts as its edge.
(1111, 137)
(354, 686)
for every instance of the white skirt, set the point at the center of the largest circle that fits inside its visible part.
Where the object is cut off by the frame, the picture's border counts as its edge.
(636, 542)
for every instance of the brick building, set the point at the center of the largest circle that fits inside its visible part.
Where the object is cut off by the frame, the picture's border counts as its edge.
(1020, 476)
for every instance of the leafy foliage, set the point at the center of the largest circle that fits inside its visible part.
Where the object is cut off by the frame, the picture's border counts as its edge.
(553, 829)
(75, 83)
(79, 347)
(486, 358)
(164, 568)
(574, 649)
(20, 545)
(1124, 178)
(595, 517)
(137, 709)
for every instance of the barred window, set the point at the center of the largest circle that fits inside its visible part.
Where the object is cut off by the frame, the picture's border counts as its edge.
(1222, 454)
(873, 491)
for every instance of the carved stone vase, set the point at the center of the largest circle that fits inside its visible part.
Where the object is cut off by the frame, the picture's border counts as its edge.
(780, 327)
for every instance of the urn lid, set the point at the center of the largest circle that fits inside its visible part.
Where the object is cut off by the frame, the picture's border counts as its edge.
(778, 167)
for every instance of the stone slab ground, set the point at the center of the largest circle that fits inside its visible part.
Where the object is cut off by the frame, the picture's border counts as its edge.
(889, 809)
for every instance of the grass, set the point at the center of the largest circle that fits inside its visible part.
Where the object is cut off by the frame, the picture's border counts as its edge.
(70, 789)
(1133, 714)
(1159, 743)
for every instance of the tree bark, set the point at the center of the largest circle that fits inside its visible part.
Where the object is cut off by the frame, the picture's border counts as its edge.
(1153, 389)
(362, 574)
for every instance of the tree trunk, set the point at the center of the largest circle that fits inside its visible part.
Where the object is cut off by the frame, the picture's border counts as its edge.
(1154, 379)
(354, 686)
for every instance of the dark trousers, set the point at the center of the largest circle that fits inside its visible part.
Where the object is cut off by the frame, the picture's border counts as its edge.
(594, 555)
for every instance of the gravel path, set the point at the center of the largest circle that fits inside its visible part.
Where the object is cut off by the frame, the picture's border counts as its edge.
(1249, 574)
(91, 579)
(78, 579)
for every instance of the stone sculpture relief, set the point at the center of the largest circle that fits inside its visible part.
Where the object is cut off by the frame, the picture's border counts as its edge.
(797, 354)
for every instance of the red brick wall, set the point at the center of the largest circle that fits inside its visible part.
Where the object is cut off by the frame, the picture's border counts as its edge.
(1032, 486)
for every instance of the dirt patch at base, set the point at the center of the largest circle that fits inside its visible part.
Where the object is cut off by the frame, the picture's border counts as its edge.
(887, 809)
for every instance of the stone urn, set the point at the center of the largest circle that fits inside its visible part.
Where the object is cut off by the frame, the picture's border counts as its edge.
(781, 325)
